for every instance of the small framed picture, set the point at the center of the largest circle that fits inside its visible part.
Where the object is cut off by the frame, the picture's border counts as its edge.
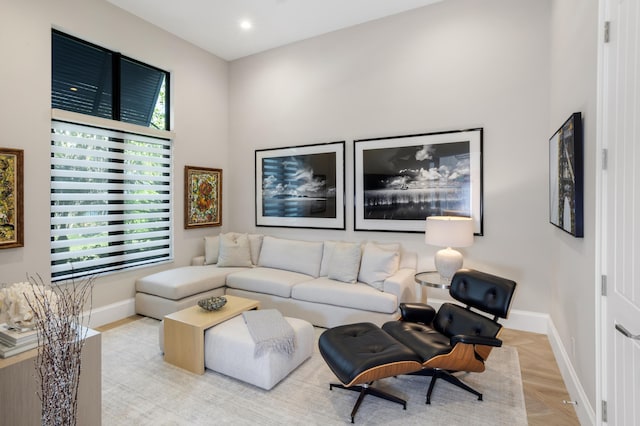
(11, 201)
(203, 197)
(401, 180)
(566, 177)
(301, 186)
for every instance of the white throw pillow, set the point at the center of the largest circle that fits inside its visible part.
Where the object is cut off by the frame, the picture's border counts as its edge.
(255, 244)
(379, 262)
(327, 251)
(234, 250)
(345, 262)
(211, 250)
(291, 255)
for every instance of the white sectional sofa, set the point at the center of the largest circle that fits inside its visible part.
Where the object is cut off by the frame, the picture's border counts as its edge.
(327, 283)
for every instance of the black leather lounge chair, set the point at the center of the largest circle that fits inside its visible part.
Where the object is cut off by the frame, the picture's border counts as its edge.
(456, 338)
(424, 342)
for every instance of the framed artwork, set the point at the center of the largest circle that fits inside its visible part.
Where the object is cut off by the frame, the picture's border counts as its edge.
(11, 198)
(566, 177)
(401, 180)
(203, 197)
(301, 186)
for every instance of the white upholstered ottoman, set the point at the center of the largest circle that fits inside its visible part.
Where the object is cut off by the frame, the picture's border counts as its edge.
(229, 349)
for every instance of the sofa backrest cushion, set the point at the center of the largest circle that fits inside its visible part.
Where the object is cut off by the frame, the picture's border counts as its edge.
(211, 249)
(291, 255)
(379, 262)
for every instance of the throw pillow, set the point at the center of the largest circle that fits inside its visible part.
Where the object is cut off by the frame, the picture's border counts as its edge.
(255, 244)
(327, 251)
(345, 262)
(379, 262)
(211, 250)
(234, 250)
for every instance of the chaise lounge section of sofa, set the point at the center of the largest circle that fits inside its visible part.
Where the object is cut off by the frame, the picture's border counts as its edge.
(327, 283)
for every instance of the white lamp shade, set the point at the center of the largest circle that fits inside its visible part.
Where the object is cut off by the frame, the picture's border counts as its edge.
(449, 231)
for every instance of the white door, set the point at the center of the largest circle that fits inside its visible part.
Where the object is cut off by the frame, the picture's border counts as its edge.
(621, 183)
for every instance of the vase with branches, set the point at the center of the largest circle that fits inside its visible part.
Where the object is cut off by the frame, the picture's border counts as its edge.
(60, 314)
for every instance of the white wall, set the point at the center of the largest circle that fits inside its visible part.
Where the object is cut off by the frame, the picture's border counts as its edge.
(574, 44)
(199, 106)
(454, 65)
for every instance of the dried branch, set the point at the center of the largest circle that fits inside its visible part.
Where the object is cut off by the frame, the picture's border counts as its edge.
(61, 337)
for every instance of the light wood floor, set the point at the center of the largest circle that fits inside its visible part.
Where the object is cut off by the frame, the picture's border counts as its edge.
(544, 389)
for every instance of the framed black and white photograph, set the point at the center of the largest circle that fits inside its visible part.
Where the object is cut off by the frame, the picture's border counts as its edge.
(401, 180)
(565, 177)
(301, 186)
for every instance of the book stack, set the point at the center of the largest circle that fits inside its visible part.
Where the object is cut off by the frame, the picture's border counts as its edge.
(13, 342)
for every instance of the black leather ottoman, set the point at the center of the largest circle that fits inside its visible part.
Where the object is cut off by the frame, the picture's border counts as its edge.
(358, 354)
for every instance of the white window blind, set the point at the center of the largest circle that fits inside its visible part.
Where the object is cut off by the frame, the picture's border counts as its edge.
(110, 200)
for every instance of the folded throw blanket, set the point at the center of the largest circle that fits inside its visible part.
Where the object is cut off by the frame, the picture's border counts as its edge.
(270, 331)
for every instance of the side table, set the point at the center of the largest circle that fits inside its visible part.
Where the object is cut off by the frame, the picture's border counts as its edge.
(184, 331)
(430, 279)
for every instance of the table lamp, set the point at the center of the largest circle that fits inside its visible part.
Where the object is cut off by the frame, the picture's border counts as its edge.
(448, 231)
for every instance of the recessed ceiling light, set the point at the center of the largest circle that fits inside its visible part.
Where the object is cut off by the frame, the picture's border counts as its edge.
(245, 24)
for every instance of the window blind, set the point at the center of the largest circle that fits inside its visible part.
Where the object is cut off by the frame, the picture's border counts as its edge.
(110, 200)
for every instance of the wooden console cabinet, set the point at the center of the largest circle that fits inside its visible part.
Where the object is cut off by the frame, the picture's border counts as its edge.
(19, 386)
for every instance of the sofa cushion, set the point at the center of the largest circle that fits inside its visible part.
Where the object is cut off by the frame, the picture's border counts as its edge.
(379, 262)
(277, 282)
(291, 255)
(356, 296)
(234, 250)
(211, 249)
(184, 281)
(345, 262)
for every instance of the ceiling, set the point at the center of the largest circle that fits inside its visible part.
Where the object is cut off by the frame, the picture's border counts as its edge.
(214, 25)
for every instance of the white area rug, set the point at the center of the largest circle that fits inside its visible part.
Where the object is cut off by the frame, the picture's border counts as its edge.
(139, 388)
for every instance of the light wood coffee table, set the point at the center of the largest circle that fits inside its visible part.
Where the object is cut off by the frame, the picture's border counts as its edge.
(184, 331)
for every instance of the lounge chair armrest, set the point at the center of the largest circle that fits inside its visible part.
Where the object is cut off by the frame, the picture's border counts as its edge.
(475, 340)
(417, 312)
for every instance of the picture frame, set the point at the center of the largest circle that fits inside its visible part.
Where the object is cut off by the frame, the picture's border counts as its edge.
(301, 186)
(566, 169)
(203, 197)
(12, 199)
(401, 180)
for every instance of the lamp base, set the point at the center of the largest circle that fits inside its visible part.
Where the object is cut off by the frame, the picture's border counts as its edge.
(448, 261)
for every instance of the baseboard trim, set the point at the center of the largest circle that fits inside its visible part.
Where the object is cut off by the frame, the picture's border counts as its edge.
(584, 410)
(536, 322)
(111, 313)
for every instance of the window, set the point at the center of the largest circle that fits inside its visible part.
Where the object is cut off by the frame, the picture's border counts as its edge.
(110, 200)
(111, 161)
(91, 80)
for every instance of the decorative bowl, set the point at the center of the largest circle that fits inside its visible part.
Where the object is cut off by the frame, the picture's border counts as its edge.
(212, 303)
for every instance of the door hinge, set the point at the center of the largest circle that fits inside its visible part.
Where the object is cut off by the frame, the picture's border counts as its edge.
(607, 26)
(605, 159)
(604, 411)
(603, 285)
